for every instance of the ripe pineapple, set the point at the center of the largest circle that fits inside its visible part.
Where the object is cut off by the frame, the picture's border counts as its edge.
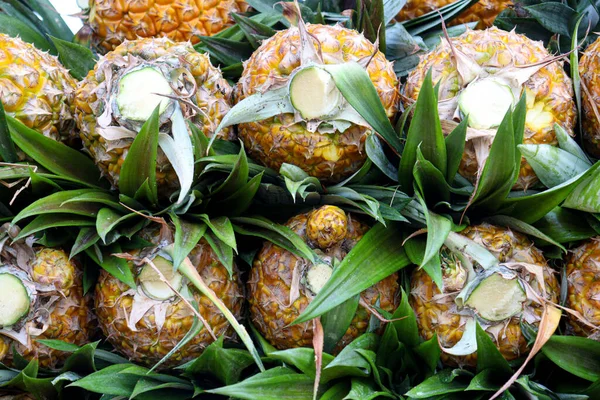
(281, 285)
(497, 297)
(484, 11)
(41, 297)
(588, 65)
(37, 90)
(484, 73)
(146, 323)
(125, 86)
(583, 285)
(113, 21)
(315, 131)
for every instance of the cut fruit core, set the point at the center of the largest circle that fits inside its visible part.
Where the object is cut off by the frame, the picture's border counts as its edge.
(141, 91)
(317, 276)
(485, 102)
(14, 300)
(153, 286)
(497, 298)
(313, 93)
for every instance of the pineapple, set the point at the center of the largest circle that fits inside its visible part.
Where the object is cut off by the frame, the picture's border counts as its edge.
(120, 93)
(146, 323)
(111, 22)
(281, 285)
(484, 11)
(588, 66)
(37, 90)
(498, 297)
(583, 286)
(41, 297)
(312, 127)
(483, 73)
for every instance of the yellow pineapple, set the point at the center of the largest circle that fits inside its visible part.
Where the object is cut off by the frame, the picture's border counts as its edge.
(484, 73)
(37, 90)
(590, 86)
(281, 285)
(113, 21)
(484, 11)
(497, 297)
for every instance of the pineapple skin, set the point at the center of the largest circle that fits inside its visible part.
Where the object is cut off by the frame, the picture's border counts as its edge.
(37, 90)
(439, 314)
(270, 284)
(588, 67)
(549, 92)
(148, 345)
(583, 286)
(71, 320)
(484, 12)
(213, 97)
(278, 140)
(114, 21)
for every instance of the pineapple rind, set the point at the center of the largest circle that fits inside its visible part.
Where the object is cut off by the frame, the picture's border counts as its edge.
(590, 82)
(549, 91)
(278, 140)
(437, 313)
(270, 283)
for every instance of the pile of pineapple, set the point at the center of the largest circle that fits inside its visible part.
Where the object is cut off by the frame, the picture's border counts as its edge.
(300, 199)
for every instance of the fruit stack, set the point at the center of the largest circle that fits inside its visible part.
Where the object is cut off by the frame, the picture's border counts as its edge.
(309, 200)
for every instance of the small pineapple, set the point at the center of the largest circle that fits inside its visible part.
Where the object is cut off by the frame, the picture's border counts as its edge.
(146, 323)
(482, 74)
(121, 92)
(114, 21)
(583, 286)
(318, 131)
(588, 67)
(497, 297)
(281, 285)
(484, 11)
(37, 90)
(41, 297)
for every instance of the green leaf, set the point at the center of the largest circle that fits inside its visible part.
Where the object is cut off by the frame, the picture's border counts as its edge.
(237, 178)
(139, 167)
(109, 380)
(438, 228)
(430, 352)
(415, 250)
(13, 27)
(337, 321)
(54, 156)
(57, 203)
(52, 19)
(187, 236)
(585, 195)
(228, 51)
(564, 225)
(303, 359)
(355, 84)
(406, 323)
(7, 147)
(577, 355)
(455, 147)
(546, 12)
(165, 391)
(376, 154)
(441, 383)
(222, 250)
(79, 60)
(254, 31)
(425, 131)
(430, 181)
(107, 220)
(279, 383)
(363, 389)
(525, 228)
(567, 143)
(226, 365)
(43, 222)
(552, 165)
(378, 247)
(488, 355)
(241, 200)
(117, 267)
(85, 238)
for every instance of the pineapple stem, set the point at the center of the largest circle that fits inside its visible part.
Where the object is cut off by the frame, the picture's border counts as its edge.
(313, 93)
(14, 300)
(140, 92)
(485, 102)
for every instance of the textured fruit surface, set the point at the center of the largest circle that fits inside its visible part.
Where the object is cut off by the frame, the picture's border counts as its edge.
(590, 83)
(549, 91)
(37, 90)
(278, 140)
(437, 313)
(114, 21)
(70, 317)
(276, 272)
(149, 343)
(202, 84)
(583, 280)
(484, 11)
